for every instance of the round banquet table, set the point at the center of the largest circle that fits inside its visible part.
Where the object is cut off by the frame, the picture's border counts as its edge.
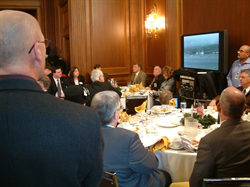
(178, 163)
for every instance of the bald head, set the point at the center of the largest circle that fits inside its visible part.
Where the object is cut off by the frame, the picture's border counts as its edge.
(232, 102)
(18, 32)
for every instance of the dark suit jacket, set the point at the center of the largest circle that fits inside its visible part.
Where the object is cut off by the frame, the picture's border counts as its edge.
(223, 153)
(68, 82)
(53, 88)
(157, 83)
(141, 78)
(132, 162)
(98, 86)
(46, 141)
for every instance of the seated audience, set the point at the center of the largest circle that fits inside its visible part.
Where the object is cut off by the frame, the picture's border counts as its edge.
(44, 141)
(57, 85)
(77, 94)
(99, 85)
(245, 88)
(44, 82)
(138, 75)
(167, 84)
(75, 78)
(155, 84)
(106, 76)
(123, 152)
(165, 97)
(224, 152)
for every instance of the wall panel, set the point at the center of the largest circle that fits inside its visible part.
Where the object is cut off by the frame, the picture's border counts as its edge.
(204, 15)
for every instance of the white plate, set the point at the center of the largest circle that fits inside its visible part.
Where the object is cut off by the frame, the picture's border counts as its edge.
(176, 148)
(167, 124)
(162, 113)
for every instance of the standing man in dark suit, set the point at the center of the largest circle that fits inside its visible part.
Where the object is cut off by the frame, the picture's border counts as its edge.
(44, 141)
(124, 153)
(225, 152)
(57, 86)
(138, 76)
(99, 85)
(155, 84)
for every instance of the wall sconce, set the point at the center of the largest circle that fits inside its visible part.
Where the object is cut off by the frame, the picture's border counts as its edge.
(151, 23)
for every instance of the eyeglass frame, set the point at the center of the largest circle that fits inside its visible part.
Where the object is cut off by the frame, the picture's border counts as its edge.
(241, 51)
(40, 42)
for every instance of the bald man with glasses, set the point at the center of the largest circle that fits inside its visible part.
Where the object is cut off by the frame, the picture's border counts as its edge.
(243, 62)
(44, 141)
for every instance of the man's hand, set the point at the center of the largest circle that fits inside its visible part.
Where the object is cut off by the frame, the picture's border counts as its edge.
(212, 103)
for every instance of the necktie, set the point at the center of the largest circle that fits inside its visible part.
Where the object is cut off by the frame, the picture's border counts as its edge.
(135, 78)
(59, 88)
(152, 82)
(244, 91)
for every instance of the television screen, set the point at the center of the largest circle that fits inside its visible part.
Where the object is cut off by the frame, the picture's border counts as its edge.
(205, 51)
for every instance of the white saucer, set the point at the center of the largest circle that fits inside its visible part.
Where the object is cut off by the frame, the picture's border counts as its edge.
(176, 148)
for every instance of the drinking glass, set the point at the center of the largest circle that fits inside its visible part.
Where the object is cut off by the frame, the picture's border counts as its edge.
(191, 127)
(164, 108)
(148, 113)
(183, 106)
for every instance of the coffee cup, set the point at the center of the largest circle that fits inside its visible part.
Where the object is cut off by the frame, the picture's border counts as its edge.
(176, 142)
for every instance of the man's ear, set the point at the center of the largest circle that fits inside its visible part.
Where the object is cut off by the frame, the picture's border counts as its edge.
(245, 107)
(37, 52)
(218, 107)
(116, 115)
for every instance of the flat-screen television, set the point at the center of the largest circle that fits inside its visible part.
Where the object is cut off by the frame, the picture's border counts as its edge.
(205, 51)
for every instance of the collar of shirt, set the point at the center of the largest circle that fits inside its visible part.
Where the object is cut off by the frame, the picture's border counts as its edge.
(137, 73)
(247, 89)
(56, 80)
(110, 126)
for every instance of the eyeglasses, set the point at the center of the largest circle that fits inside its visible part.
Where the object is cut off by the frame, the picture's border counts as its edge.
(46, 42)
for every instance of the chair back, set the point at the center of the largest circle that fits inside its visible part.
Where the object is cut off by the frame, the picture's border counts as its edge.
(227, 182)
(109, 180)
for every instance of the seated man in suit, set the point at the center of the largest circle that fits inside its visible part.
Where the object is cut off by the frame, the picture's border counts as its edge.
(123, 151)
(57, 85)
(224, 153)
(99, 85)
(106, 76)
(138, 76)
(44, 82)
(155, 84)
(245, 88)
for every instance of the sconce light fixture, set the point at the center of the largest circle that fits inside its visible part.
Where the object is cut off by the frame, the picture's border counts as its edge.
(151, 24)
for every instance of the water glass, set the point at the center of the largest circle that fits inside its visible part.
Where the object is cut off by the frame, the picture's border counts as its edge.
(191, 127)
(183, 106)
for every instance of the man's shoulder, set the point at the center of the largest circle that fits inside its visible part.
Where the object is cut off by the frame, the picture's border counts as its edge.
(118, 131)
(142, 72)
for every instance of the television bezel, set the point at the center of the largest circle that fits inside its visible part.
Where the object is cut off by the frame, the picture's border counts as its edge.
(223, 51)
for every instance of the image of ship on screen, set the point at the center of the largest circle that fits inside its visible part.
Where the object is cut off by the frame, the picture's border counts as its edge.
(202, 51)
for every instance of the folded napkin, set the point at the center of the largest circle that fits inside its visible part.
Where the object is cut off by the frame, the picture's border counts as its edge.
(142, 107)
(124, 117)
(172, 102)
(162, 145)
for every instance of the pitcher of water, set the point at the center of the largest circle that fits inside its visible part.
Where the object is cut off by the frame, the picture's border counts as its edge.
(191, 127)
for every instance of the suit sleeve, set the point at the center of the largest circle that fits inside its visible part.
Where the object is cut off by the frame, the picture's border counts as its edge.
(144, 79)
(204, 165)
(165, 87)
(95, 175)
(141, 160)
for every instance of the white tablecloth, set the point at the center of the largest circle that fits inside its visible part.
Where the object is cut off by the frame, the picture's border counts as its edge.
(137, 95)
(179, 163)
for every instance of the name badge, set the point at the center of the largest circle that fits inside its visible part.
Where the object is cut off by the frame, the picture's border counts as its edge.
(155, 84)
(237, 76)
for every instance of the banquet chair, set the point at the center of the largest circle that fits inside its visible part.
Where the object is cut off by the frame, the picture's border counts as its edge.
(109, 180)
(227, 182)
